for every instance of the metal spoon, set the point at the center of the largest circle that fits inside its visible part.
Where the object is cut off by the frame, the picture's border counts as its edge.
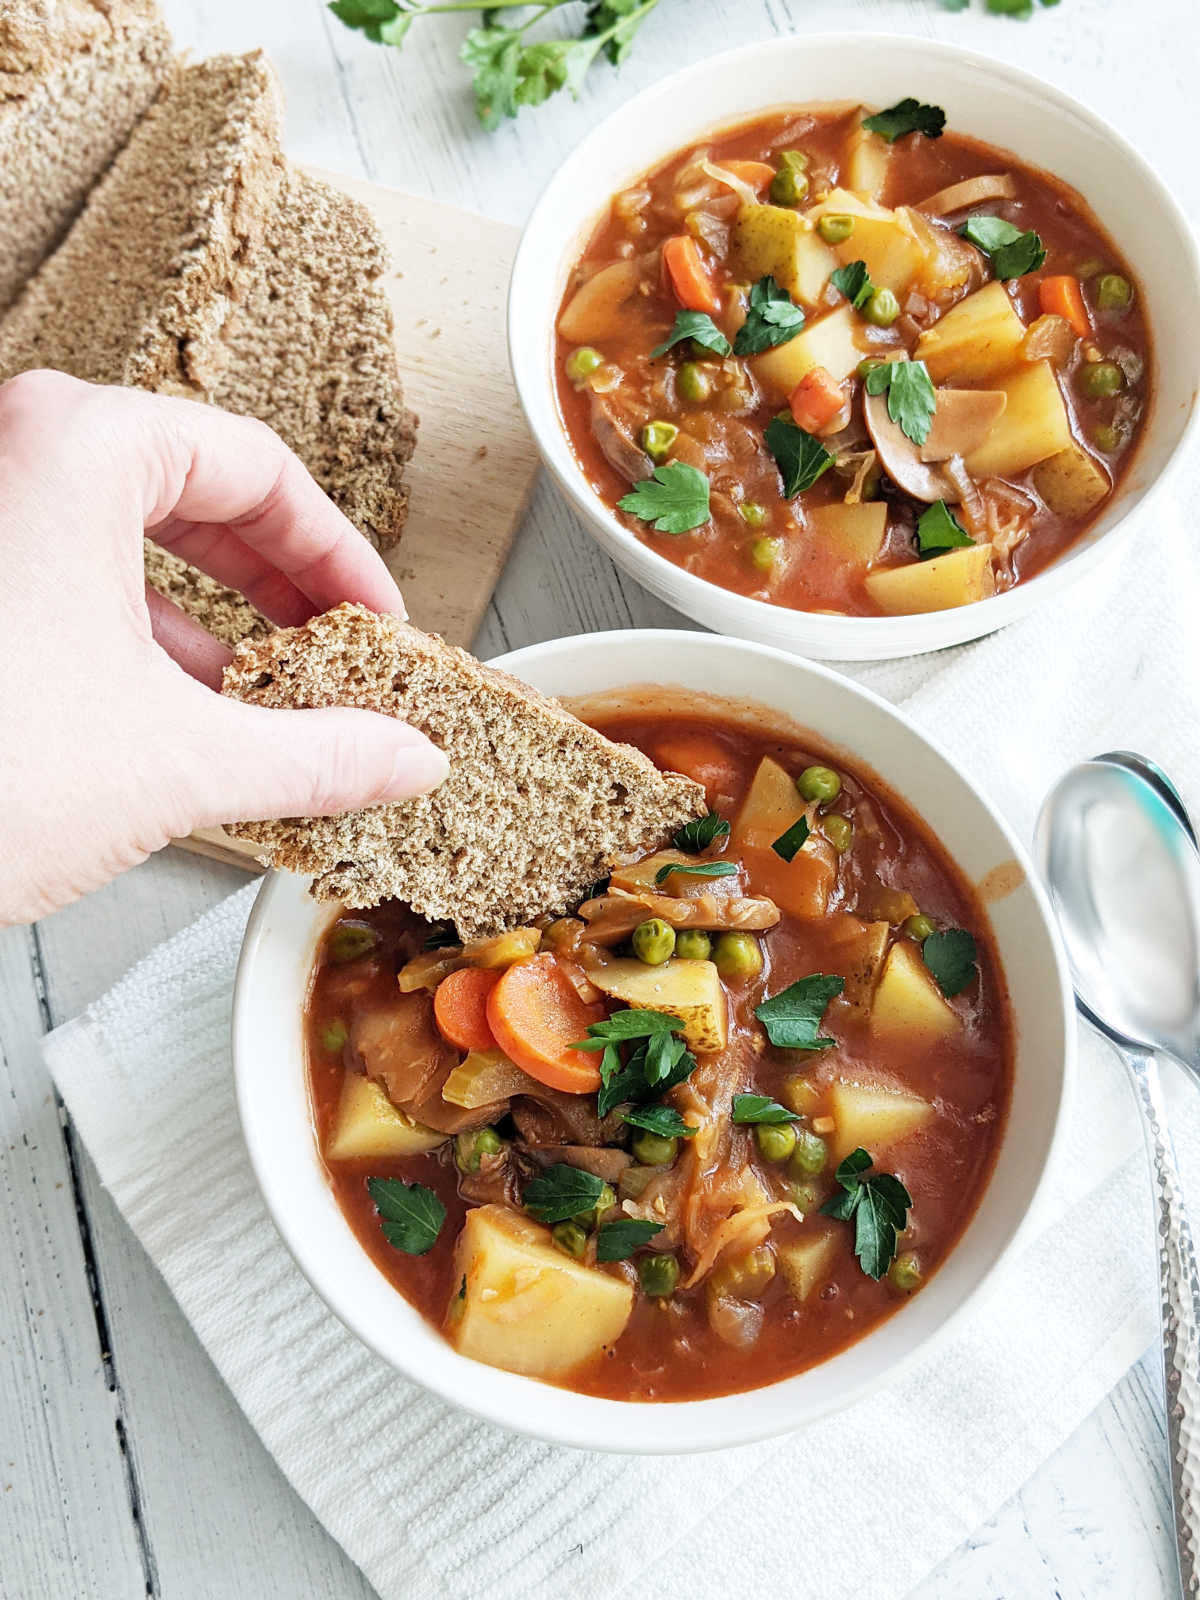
(1119, 853)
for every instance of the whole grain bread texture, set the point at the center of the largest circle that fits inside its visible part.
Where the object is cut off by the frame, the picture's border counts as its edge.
(143, 286)
(537, 806)
(311, 351)
(224, 612)
(75, 76)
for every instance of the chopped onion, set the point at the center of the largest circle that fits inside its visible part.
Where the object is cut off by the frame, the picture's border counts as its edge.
(970, 192)
(1049, 338)
(740, 187)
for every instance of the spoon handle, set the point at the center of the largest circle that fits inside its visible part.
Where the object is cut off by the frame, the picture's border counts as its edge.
(1180, 1309)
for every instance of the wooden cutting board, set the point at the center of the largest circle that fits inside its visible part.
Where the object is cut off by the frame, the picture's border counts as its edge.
(474, 463)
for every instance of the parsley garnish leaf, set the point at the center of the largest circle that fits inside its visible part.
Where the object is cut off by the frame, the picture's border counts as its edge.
(773, 318)
(912, 399)
(410, 1214)
(907, 116)
(792, 1017)
(616, 1241)
(628, 1024)
(562, 1192)
(748, 1108)
(697, 326)
(790, 842)
(696, 869)
(939, 530)
(1012, 252)
(698, 835)
(950, 956)
(879, 1206)
(658, 1062)
(801, 459)
(665, 1121)
(854, 281)
(675, 500)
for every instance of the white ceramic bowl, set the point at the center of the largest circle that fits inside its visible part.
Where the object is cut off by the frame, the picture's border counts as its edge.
(268, 1050)
(982, 97)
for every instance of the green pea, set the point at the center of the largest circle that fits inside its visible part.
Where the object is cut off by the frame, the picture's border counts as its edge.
(789, 186)
(334, 1035)
(737, 955)
(775, 1140)
(867, 365)
(653, 941)
(351, 940)
(651, 1151)
(753, 515)
(766, 553)
(693, 382)
(881, 308)
(819, 783)
(918, 927)
(607, 1200)
(693, 945)
(904, 1274)
(582, 363)
(657, 439)
(1113, 292)
(470, 1148)
(1107, 438)
(1100, 380)
(810, 1153)
(658, 1275)
(805, 1195)
(570, 1238)
(835, 229)
(839, 831)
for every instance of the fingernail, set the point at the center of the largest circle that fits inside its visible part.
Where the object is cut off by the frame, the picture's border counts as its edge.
(417, 770)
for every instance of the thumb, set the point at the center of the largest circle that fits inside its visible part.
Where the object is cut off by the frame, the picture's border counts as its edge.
(253, 763)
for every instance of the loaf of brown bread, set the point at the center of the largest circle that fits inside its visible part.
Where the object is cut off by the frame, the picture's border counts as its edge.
(143, 286)
(75, 76)
(537, 805)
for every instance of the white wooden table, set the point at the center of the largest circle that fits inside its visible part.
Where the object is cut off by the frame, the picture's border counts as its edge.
(125, 1467)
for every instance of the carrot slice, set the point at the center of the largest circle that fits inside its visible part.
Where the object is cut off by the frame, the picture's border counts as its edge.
(708, 761)
(1062, 297)
(460, 1007)
(816, 400)
(535, 1016)
(687, 276)
(756, 173)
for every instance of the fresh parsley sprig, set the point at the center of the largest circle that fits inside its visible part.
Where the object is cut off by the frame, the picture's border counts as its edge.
(753, 1108)
(562, 1192)
(790, 842)
(697, 326)
(697, 835)
(912, 399)
(659, 1060)
(696, 869)
(1011, 252)
(879, 1206)
(801, 459)
(951, 956)
(792, 1017)
(675, 500)
(410, 1215)
(854, 281)
(617, 1240)
(907, 116)
(662, 1120)
(772, 319)
(939, 530)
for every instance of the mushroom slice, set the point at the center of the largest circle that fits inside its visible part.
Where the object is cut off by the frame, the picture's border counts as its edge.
(616, 445)
(970, 192)
(900, 458)
(962, 421)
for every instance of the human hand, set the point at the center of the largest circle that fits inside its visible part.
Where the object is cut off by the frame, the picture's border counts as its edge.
(112, 739)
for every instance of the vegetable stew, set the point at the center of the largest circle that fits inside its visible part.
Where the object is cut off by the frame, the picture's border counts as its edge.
(853, 363)
(704, 1133)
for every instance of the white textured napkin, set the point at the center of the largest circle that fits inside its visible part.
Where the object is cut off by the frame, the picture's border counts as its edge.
(432, 1503)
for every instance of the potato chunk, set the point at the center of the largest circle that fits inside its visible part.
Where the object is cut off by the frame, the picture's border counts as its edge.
(869, 1116)
(976, 339)
(525, 1306)
(856, 952)
(830, 342)
(689, 990)
(368, 1124)
(958, 578)
(1033, 425)
(773, 240)
(802, 885)
(908, 1002)
(807, 1263)
(884, 239)
(856, 532)
(1072, 483)
(867, 158)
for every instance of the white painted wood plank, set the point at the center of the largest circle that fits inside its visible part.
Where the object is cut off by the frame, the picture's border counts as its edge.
(64, 1499)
